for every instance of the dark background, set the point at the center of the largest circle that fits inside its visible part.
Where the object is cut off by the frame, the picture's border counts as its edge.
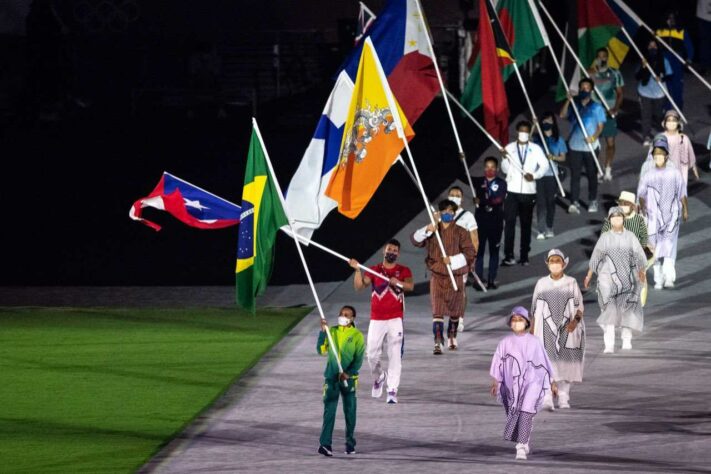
(98, 98)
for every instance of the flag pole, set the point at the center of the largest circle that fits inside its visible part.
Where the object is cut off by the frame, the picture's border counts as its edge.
(641, 23)
(538, 127)
(576, 58)
(569, 98)
(306, 241)
(407, 169)
(401, 133)
(298, 248)
(462, 156)
(654, 75)
(493, 140)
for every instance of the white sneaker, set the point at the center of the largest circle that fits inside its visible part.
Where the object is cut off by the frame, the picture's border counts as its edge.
(460, 326)
(609, 350)
(377, 390)
(592, 207)
(608, 174)
(541, 236)
(392, 397)
(573, 209)
(658, 285)
(563, 403)
(521, 452)
(668, 284)
(549, 234)
(626, 344)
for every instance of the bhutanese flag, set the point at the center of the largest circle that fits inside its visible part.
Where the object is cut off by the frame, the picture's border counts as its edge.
(262, 216)
(372, 139)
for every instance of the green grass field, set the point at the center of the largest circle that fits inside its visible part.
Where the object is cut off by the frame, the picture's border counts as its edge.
(101, 390)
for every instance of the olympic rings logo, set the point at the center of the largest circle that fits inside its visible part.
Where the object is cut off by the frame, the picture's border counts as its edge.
(106, 15)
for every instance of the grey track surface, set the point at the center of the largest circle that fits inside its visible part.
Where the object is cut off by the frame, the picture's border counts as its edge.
(646, 410)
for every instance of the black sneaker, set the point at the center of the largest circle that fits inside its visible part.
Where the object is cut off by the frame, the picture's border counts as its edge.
(325, 450)
(350, 449)
(508, 262)
(491, 285)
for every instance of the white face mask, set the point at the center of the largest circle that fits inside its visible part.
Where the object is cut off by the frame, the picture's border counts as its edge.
(518, 326)
(626, 209)
(343, 321)
(555, 268)
(456, 200)
(523, 137)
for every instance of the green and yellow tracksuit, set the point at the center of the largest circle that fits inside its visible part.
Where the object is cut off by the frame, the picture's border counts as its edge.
(350, 347)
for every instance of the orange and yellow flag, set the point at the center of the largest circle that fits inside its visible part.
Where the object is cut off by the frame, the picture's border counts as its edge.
(372, 137)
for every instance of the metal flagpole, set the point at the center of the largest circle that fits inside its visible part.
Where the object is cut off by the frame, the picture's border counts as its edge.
(306, 241)
(462, 156)
(575, 57)
(298, 248)
(538, 126)
(401, 134)
(493, 140)
(654, 75)
(641, 23)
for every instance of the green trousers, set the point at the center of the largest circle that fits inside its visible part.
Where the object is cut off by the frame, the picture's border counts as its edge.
(331, 391)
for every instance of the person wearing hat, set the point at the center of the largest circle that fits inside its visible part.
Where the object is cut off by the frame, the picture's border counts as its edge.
(633, 221)
(350, 345)
(521, 375)
(660, 141)
(663, 200)
(557, 314)
(620, 265)
(681, 150)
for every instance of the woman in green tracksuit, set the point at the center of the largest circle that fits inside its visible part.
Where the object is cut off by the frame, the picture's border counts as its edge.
(350, 347)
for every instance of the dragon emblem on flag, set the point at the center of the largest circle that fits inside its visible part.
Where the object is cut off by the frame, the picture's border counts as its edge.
(366, 126)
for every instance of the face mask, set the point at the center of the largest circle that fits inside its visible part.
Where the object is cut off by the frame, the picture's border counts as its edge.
(584, 95)
(546, 127)
(671, 125)
(456, 200)
(555, 268)
(601, 63)
(626, 209)
(343, 321)
(390, 257)
(490, 173)
(523, 137)
(518, 326)
(652, 52)
(617, 221)
(659, 160)
(447, 218)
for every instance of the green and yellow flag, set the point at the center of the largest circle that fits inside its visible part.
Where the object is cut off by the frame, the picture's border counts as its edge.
(262, 216)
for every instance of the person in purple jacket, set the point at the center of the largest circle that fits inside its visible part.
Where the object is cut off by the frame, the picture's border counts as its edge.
(521, 373)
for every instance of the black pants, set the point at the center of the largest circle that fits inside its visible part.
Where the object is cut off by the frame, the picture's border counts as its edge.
(576, 160)
(546, 188)
(521, 206)
(491, 227)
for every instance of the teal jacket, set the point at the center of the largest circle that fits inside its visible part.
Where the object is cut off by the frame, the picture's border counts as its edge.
(350, 346)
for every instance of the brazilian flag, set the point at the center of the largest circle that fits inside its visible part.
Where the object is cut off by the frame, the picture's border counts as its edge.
(262, 216)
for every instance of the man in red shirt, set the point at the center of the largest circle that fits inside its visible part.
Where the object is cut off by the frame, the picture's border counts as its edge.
(387, 304)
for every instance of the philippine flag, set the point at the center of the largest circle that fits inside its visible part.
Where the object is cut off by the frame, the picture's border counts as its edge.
(401, 45)
(188, 203)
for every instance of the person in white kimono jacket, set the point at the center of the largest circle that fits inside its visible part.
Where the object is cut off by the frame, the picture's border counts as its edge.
(557, 310)
(620, 265)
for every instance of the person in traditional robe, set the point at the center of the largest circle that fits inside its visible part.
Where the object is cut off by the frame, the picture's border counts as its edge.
(521, 375)
(662, 199)
(619, 262)
(557, 313)
(681, 150)
(460, 255)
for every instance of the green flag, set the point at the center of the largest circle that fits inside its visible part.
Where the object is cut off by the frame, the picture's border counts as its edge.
(524, 36)
(262, 216)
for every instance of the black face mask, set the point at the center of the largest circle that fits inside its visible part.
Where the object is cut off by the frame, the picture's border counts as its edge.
(652, 52)
(584, 95)
(546, 126)
(390, 257)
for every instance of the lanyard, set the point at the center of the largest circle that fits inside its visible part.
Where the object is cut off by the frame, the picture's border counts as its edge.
(518, 149)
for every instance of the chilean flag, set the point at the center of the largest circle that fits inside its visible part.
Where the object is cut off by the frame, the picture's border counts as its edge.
(401, 45)
(187, 203)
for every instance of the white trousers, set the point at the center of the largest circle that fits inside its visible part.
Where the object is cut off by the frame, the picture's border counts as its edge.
(563, 391)
(609, 335)
(664, 271)
(389, 332)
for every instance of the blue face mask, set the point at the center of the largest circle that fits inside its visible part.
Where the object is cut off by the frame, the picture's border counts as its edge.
(546, 126)
(584, 95)
(447, 218)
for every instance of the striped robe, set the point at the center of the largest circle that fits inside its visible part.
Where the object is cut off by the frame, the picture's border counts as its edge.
(456, 240)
